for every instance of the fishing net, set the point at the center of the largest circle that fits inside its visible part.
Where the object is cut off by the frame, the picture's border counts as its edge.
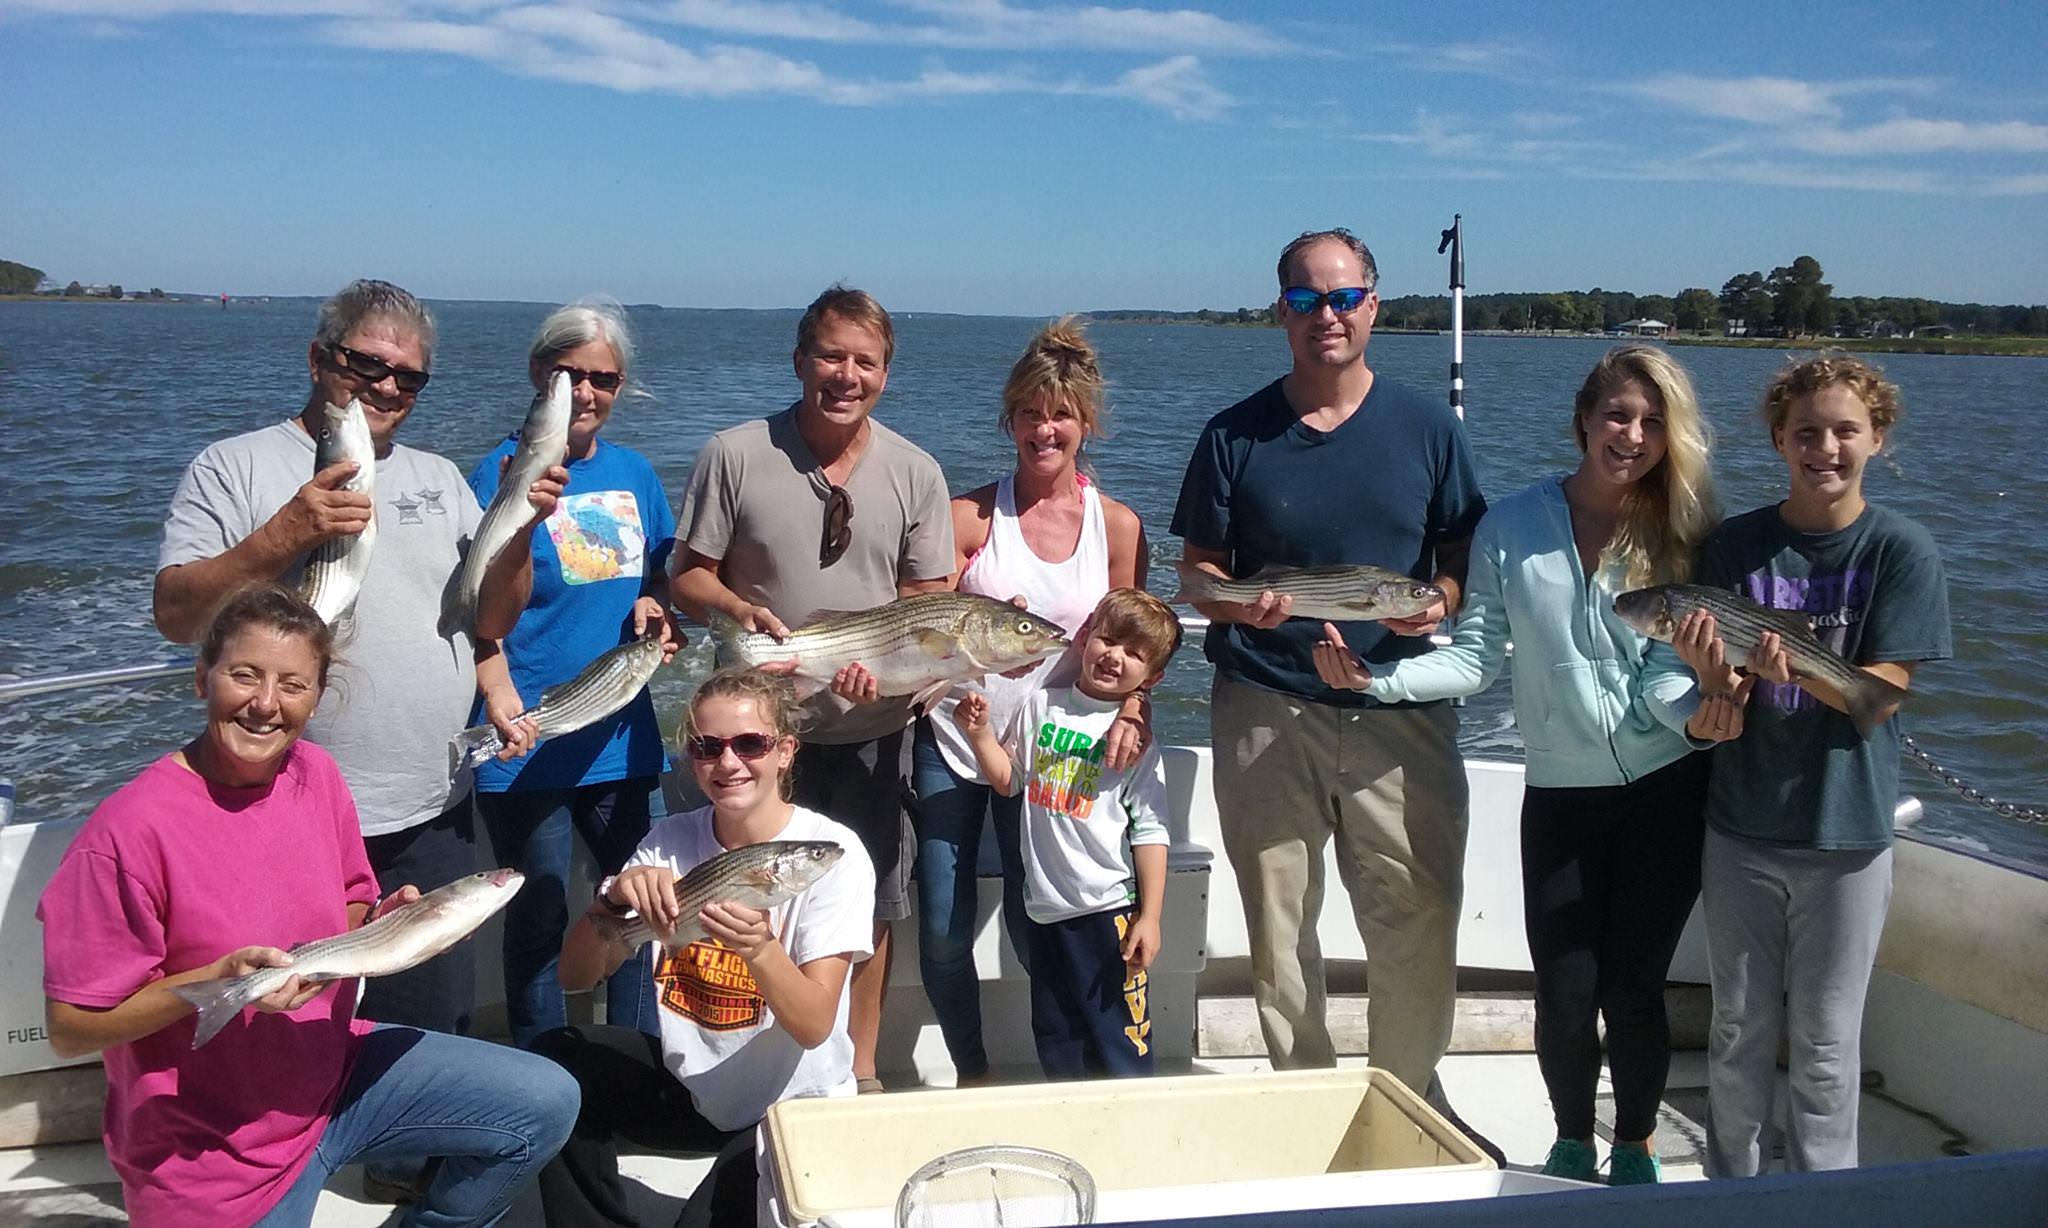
(997, 1187)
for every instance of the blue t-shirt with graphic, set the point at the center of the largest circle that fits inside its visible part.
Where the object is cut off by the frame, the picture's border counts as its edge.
(1385, 487)
(1800, 775)
(606, 541)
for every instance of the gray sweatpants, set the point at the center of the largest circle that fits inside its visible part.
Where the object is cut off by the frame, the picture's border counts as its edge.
(1388, 786)
(1791, 935)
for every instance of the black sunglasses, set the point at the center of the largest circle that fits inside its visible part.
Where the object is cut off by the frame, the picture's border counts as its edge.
(1307, 302)
(371, 369)
(837, 532)
(603, 381)
(705, 748)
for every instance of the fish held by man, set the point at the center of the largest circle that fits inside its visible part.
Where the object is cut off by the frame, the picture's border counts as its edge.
(403, 938)
(604, 686)
(760, 876)
(919, 646)
(543, 444)
(334, 572)
(1740, 622)
(1339, 592)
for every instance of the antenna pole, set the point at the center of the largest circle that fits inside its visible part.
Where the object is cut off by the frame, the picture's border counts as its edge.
(1454, 241)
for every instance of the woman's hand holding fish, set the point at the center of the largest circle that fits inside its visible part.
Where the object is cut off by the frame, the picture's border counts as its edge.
(1129, 733)
(854, 684)
(290, 996)
(1719, 716)
(738, 928)
(1698, 643)
(651, 612)
(1337, 665)
(504, 710)
(651, 892)
(546, 491)
(397, 899)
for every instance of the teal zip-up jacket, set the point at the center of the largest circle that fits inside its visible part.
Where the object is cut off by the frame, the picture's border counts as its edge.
(1587, 714)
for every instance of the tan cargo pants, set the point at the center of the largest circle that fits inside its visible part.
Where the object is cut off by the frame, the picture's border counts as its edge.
(1389, 786)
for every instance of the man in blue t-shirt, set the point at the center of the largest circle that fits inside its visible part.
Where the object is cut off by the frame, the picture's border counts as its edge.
(1330, 464)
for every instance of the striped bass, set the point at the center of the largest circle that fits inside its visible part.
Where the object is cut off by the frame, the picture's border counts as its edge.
(405, 937)
(1740, 622)
(759, 876)
(919, 646)
(543, 444)
(1339, 593)
(605, 685)
(335, 570)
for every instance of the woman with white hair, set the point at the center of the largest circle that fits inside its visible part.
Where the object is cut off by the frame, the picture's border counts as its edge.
(599, 566)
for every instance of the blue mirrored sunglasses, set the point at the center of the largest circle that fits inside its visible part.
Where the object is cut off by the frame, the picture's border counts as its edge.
(1307, 302)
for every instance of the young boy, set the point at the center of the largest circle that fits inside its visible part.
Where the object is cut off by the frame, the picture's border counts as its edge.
(1797, 869)
(1089, 948)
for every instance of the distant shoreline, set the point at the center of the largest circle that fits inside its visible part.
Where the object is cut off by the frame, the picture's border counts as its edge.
(1989, 347)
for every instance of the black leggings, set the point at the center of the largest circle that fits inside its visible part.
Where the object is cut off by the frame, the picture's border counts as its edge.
(628, 1093)
(1609, 876)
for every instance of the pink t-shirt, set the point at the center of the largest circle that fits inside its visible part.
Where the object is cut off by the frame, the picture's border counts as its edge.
(171, 873)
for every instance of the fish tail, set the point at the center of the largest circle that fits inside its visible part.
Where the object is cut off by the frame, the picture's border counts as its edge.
(472, 746)
(217, 1002)
(1195, 584)
(458, 613)
(1871, 700)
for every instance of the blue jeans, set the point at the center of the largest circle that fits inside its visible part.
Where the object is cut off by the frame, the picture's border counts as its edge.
(494, 1114)
(533, 830)
(948, 821)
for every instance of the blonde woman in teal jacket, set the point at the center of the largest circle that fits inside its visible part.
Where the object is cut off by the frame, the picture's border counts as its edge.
(1611, 812)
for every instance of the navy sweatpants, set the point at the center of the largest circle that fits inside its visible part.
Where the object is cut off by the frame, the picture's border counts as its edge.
(1085, 1017)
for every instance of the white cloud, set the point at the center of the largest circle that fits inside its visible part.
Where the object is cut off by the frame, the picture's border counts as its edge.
(1923, 136)
(2017, 185)
(1542, 121)
(979, 25)
(1763, 100)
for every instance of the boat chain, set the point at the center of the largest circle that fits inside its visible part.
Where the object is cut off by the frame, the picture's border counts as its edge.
(2017, 813)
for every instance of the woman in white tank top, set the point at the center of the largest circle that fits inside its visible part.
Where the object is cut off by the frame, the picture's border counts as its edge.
(1048, 535)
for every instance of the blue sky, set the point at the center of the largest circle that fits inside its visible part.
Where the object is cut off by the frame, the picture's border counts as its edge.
(1001, 156)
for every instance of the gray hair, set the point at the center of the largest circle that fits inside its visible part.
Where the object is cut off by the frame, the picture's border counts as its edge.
(367, 299)
(1310, 238)
(596, 318)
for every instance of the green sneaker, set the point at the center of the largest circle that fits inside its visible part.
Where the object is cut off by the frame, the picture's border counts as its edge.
(1633, 1166)
(1571, 1159)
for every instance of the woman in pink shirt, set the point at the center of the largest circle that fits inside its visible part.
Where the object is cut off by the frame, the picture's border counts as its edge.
(246, 835)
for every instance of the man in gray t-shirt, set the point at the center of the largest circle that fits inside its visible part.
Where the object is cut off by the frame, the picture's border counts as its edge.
(251, 508)
(821, 508)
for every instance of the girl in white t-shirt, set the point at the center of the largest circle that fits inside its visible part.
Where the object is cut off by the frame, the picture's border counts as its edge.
(752, 1014)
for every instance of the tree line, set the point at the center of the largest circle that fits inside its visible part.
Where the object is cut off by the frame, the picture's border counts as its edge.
(1793, 300)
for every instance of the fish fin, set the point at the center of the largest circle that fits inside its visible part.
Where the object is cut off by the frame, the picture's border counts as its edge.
(1195, 584)
(1871, 700)
(217, 1001)
(924, 701)
(937, 644)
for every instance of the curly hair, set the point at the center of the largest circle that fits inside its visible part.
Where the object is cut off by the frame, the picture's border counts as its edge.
(1797, 381)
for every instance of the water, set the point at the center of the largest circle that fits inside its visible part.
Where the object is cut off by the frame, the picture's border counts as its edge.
(102, 405)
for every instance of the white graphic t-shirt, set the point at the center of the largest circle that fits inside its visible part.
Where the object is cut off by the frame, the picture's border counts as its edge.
(719, 1037)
